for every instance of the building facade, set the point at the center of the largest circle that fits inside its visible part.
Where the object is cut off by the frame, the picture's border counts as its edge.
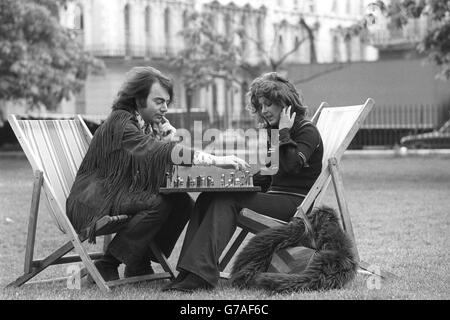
(126, 33)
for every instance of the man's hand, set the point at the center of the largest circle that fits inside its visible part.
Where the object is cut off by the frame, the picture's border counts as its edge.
(286, 120)
(167, 130)
(230, 162)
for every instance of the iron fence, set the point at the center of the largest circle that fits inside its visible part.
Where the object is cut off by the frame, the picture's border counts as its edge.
(383, 128)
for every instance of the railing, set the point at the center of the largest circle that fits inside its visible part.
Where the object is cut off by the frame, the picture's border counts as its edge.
(387, 124)
(383, 128)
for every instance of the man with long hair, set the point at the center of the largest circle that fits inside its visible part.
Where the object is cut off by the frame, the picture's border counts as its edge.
(123, 170)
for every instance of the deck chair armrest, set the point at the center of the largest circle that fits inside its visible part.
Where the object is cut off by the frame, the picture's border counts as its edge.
(108, 225)
(256, 222)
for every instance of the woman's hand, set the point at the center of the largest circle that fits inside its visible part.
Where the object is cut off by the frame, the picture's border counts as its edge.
(286, 120)
(230, 162)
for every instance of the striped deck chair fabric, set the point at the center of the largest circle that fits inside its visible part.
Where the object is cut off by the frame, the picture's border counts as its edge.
(55, 147)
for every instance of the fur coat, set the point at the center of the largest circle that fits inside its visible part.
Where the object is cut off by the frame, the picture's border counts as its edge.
(331, 267)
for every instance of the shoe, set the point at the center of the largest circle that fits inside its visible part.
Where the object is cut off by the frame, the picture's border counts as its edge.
(180, 277)
(191, 283)
(107, 270)
(143, 270)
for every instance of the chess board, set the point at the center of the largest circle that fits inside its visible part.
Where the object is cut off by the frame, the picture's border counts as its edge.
(211, 189)
(242, 182)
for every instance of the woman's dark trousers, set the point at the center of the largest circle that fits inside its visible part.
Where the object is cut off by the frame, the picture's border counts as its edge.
(214, 222)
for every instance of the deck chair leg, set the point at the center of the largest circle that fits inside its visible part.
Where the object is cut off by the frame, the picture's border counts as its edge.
(32, 222)
(232, 250)
(162, 259)
(67, 247)
(342, 203)
(87, 261)
(345, 217)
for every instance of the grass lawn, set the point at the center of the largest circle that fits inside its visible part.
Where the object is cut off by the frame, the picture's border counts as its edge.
(400, 210)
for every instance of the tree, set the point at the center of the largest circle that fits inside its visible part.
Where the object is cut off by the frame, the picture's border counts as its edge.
(207, 55)
(41, 62)
(273, 60)
(210, 55)
(436, 42)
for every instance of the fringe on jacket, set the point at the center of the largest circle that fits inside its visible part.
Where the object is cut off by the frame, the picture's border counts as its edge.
(129, 180)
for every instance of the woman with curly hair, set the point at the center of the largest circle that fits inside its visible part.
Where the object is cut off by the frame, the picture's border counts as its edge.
(278, 105)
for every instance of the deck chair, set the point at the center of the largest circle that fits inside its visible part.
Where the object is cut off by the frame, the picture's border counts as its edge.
(55, 149)
(337, 126)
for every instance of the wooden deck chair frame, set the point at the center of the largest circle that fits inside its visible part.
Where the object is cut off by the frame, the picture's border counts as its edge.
(105, 226)
(253, 222)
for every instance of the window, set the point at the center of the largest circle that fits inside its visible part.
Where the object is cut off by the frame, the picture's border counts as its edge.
(127, 29)
(334, 6)
(189, 98)
(185, 19)
(246, 30)
(167, 23)
(78, 19)
(296, 41)
(185, 25)
(348, 49)
(244, 90)
(167, 30)
(78, 24)
(215, 111)
(362, 7)
(227, 24)
(260, 29)
(280, 46)
(312, 6)
(336, 51)
(147, 19)
(362, 46)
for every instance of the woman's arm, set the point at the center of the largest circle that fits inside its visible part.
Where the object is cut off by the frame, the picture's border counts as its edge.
(296, 151)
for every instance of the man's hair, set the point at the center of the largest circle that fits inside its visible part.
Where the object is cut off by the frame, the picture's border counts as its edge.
(136, 88)
(276, 89)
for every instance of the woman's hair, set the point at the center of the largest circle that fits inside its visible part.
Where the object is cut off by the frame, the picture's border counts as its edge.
(276, 89)
(136, 88)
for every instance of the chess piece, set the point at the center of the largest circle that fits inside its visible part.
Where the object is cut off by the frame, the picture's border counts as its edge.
(247, 177)
(168, 180)
(222, 180)
(208, 181)
(250, 180)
